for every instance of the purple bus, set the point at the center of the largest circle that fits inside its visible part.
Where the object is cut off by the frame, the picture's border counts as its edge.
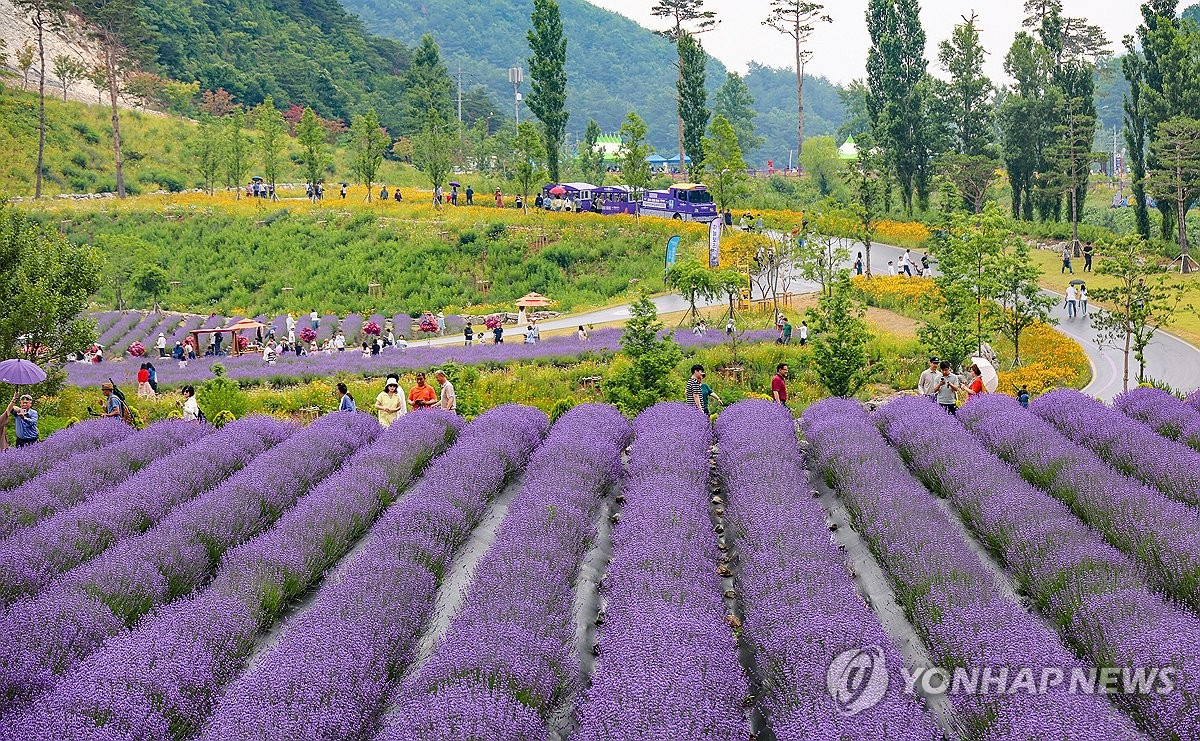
(614, 199)
(579, 193)
(684, 201)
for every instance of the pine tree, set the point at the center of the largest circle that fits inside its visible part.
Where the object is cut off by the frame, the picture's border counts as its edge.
(45, 16)
(840, 339)
(427, 88)
(117, 29)
(648, 376)
(693, 109)
(1176, 177)
(548, 77)
(684, 16)
(797, 19)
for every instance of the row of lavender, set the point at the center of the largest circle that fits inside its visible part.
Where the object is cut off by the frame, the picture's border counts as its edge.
(949, 594)
(1097, 597)
(509, 658)
(43, 636)
(329, 674)
(161, 680)
(249, 368)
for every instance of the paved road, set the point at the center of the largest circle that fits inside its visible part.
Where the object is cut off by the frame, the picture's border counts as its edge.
(1168, 357)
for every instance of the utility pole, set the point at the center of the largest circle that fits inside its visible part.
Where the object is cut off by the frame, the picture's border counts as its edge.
(516, 76)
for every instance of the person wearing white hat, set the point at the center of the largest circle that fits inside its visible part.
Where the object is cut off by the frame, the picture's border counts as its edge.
(390, 403)
(161, 344)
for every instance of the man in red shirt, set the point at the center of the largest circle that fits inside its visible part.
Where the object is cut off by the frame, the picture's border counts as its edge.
(779, 384)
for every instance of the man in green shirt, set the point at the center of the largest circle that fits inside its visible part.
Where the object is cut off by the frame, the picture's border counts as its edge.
(787, 331)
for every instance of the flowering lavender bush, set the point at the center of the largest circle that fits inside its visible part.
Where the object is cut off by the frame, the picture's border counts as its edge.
(33, 556)
(81, 476)
(330, 672)
(1193, 399)
(1131, 446)
(161, 680)
(509, 657)
(1164, 412)
(1161, 533)
(1092, 592)
(18, 465)
(950, 596)
(250, 368)
(801, 607)
(668, 663)
(42, 637)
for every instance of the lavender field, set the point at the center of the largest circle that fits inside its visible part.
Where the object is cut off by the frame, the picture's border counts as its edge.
(598, 578)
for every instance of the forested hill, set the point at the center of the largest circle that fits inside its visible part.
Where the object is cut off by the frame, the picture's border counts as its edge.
(306, 52)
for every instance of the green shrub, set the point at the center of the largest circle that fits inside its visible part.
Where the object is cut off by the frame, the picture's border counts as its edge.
(221, 394)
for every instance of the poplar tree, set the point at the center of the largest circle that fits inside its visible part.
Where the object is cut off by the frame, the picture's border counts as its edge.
(693, 109)
(548, 78)
(236, 160)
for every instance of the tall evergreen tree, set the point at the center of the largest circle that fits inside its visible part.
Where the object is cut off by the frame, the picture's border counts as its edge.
(734, 101)
(896, 97)
(427, 88)
(45, 16)
(1135, 134)
(548, 77)
(684, 16)
(797, 19)
(1176, 149)
(693, 108)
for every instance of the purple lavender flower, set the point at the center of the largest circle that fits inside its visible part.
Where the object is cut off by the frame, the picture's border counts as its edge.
(1162, 411)
(1161, 533)
(668, 664)
(1127, 444)
(18, 465)
(1092, 592)
(85, 474)
(42, 637)
(31, 557)
(161, 680)
(330, 672)
(801, 607)
(509, 657)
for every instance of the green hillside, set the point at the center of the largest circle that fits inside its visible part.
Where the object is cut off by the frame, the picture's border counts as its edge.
(306, 52)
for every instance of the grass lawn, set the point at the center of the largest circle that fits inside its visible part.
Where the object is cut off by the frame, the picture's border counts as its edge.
(1187, 320)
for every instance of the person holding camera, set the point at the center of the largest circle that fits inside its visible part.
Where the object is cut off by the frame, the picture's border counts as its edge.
(947, 388)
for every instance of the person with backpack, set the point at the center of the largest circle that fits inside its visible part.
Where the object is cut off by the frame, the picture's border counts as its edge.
(114, 405)
(191, 410)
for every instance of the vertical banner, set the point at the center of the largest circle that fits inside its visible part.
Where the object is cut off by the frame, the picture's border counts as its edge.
(672, 251)
(714, 243)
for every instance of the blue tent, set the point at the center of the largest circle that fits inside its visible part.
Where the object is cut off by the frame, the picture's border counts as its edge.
(655, 159)
(675, 160)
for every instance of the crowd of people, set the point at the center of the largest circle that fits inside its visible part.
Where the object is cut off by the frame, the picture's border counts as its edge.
(391, 403)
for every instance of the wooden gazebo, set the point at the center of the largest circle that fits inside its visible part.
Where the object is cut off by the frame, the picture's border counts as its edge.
(233, 330)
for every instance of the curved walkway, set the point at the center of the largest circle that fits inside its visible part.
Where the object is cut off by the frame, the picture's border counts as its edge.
(1168, 358)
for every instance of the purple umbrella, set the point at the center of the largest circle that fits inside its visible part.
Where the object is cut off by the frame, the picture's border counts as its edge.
(21, 372)
(455, 184)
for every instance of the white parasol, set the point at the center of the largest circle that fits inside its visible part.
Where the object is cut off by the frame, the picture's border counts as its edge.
(988, 372)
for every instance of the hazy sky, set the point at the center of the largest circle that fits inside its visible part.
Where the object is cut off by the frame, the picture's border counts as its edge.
(840, 48)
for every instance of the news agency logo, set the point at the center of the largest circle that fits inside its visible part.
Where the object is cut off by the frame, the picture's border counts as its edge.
(857, 679)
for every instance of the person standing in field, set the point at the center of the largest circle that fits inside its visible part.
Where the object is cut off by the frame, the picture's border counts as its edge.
(447, 399)
(5, 416)
(1083, 300)
(698, 392)
(25, 422)
(779, 384)
(787, 331)
(422, 396)
(470, 196)
(339, 342)
(803, 333)
(191, 410)
(499, 199)
(468, 334)
(929, 379)
(1072, 297)
(1066, 260)
(345, 400)
(947, 388)
(975, 387)
(390, 403)
(498, 335)
(1087, 259)
(143, 378)
(858, 265)
(315, 319)
(161, 344)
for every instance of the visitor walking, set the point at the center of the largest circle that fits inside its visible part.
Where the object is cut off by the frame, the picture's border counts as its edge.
(113, 406)
(153, 376)
(947, 388)
(315, 319)
(858, 265)
(698, 392)
(339, 342)
(470, 196)
(803, 333)
(529, 336)
(786, 335)
(161, 344)
(906, 264)
(447, 399)
(779, 384)
(441, 324)
(191, 410)
(498, 335)
(454, 195)
(499, 199)
(25, 422)
(143, 379)
(383, 193)
(1066, 260)
(422, 396)
(730, 327)
(291, 325)
(345, 400)
(891, 268)
(1083, 300)
(927, 383)
(217, 340)
(1072, 298)
(390, 403)
(1087, 259)
(468, 334)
